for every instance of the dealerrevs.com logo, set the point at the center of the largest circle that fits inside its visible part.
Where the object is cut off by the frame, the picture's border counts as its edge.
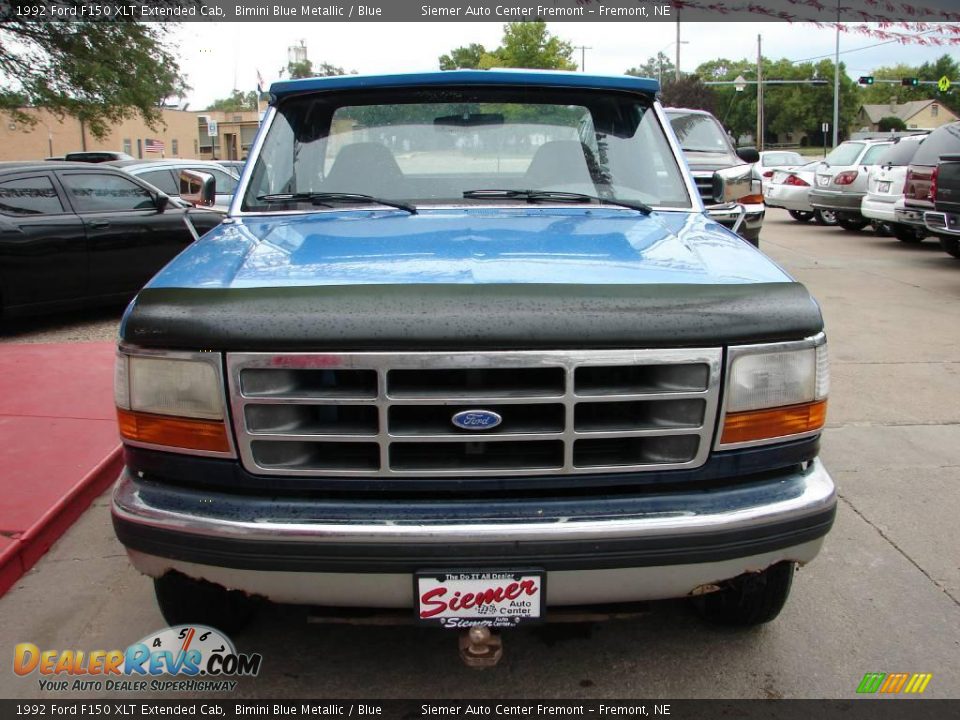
(204, 658)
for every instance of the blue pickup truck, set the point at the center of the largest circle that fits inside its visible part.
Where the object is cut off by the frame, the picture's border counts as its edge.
(467, 347)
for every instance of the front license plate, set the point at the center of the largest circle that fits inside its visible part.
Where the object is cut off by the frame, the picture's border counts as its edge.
(499, 598)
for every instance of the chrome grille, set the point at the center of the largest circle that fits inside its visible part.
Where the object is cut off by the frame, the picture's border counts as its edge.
(389, 414)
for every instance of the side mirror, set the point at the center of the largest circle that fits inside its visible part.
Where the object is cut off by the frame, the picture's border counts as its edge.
(731, 184)
(161, 201)
(198, 188)
(748, 154)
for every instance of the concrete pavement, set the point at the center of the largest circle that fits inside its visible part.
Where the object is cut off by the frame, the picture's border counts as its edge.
(883, 597)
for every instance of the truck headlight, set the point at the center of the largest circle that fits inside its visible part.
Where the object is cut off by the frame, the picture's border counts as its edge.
(775, 392)
(172, 400)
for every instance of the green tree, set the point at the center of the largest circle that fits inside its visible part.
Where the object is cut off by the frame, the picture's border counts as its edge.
(689, 92)
(463, 57)
(99, 72)
(891, 123)
(660, 67)
(524, 45)
(795, 108)
(305, 69)
(884, 93)
(236, 102)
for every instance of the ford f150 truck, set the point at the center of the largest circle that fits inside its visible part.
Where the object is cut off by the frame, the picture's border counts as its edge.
(453, 355)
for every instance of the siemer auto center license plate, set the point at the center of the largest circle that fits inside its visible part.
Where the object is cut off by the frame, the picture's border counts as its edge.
(491, 599)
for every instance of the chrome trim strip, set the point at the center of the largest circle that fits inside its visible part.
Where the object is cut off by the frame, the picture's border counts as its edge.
(253, 155)
(737, 510)
(215, 360)
(735, 351)
(382, 363)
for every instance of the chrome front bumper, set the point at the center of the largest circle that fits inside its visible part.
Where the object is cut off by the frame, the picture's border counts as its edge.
(611, 549)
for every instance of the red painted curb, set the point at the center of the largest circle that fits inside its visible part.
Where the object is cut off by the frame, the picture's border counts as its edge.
(27, 548)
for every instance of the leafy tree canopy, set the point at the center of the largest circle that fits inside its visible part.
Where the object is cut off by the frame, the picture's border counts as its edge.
(237, 102)
(891, 123)
(524, 45)
(99, 72)
(797, 109)
(883, 93)
(689, 92)
(305, 69)
(660, 67)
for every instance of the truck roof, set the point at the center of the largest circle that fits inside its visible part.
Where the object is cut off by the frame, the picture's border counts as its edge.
(500, 76)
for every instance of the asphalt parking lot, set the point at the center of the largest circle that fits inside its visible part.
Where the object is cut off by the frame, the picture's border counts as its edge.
(884, 596)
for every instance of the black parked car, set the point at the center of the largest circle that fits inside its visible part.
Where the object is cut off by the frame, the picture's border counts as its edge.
(75, 234)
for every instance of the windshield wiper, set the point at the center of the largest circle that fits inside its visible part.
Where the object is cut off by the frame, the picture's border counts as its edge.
(325, 198)
(533, 196)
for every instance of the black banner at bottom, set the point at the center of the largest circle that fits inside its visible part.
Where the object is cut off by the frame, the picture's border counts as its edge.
(856, 709)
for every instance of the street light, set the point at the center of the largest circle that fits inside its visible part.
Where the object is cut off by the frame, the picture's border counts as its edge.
(740, 83)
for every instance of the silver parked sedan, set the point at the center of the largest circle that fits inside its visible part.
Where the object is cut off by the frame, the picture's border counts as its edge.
(841, 180)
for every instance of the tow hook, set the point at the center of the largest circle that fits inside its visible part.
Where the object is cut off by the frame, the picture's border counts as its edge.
(480, 648)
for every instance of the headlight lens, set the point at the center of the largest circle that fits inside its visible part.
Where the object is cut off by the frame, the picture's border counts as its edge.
(777, 392)
(172, 402)
(185, 388)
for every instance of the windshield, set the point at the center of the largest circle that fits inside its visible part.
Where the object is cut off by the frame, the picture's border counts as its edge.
(844, 154)
(700, 133)
(433, 146)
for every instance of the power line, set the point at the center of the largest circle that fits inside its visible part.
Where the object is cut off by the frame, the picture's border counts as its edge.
(865, 47)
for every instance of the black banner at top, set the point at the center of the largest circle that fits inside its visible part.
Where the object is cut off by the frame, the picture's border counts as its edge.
(914, 12)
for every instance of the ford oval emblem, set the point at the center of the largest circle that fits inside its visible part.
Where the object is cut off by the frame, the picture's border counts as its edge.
(476, 419)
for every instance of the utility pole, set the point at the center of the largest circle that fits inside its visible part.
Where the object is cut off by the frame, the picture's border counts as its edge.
(583, 56)
(836, 83)
(759, 142)
(677, 68)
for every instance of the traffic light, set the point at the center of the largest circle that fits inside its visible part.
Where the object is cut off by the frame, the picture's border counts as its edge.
(910, 82)
(866, 80)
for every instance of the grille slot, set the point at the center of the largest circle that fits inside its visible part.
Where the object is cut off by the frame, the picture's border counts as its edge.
(640, 379)
(316, 456)
(543, 455)
(312, 419)
(626, 416)
(476, 383)
(390, 414)
(436, 419)
(318, 383)
(704, 183)
(635, 451)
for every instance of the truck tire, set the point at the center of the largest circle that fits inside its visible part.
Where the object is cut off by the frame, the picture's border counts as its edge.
(749, 600)
(950, 245)
(851, 225)
(801, 215)
(825, 217)
(908, 233)
(185, 601)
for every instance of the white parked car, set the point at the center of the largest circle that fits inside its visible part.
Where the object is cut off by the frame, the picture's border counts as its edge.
(841, 180)
(885, 182)
(165, 176)
(773, 160)
(790, 190)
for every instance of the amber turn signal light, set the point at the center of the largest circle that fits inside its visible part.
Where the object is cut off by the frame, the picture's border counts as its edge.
(753, 425)
(751, 200)
(176, 432)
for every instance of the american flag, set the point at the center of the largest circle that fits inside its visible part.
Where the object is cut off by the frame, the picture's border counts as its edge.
(154, 146)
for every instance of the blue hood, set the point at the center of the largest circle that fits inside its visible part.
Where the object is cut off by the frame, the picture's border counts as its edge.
(481, 245)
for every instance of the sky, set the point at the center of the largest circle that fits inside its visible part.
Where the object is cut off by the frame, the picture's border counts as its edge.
(218, 57)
